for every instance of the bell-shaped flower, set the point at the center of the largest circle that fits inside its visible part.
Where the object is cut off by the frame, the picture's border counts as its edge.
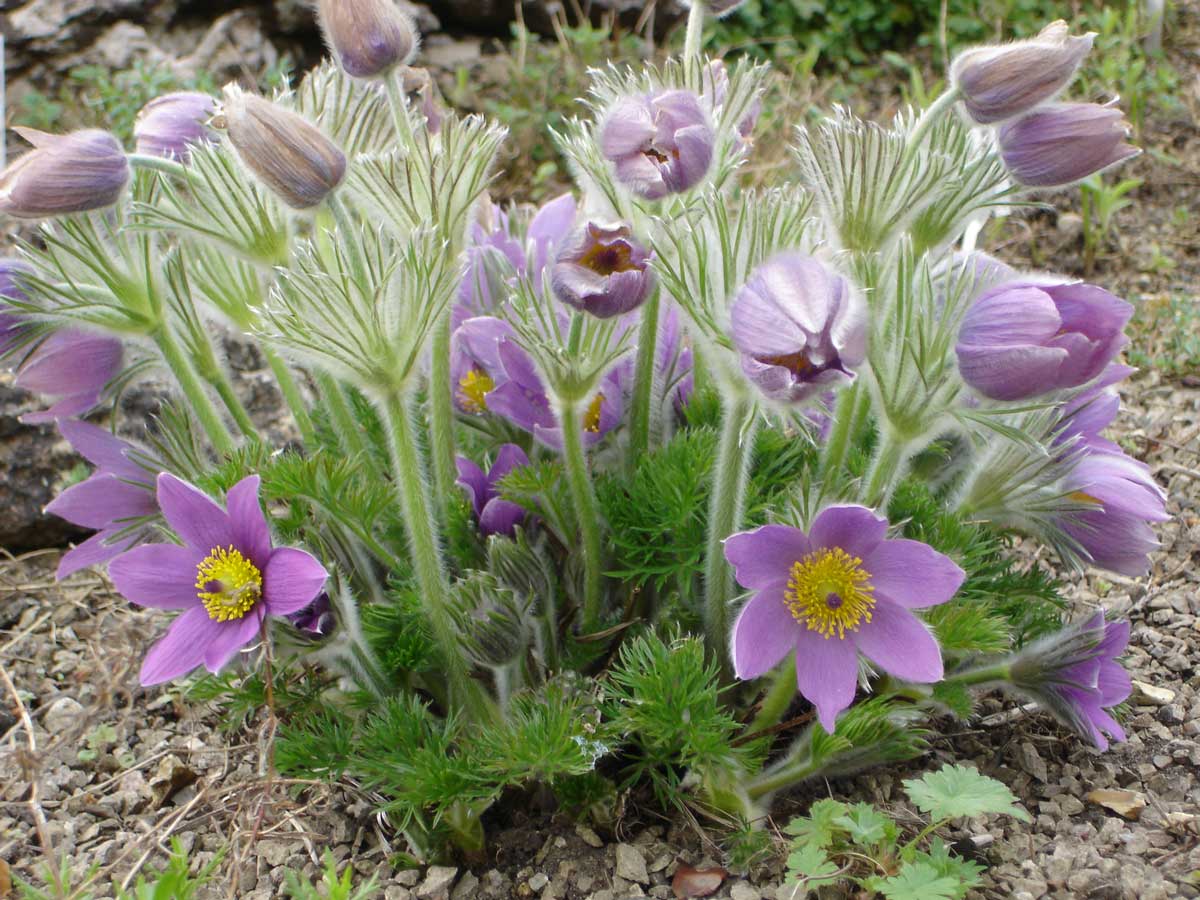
(317, 620)
(1004, 81)
(801, 328)
(475, 366)
(74, 367)
(169, 125)
(1063, 143)
(367, 37)
(1123, 499)
(842, 589)
(117, 499)
(1022, 339)
(64, 174)
(289, 154)
(226, 578)
(494, 514)
(660, 143)
(1075, 676)
(1086, 415)
(602, 270)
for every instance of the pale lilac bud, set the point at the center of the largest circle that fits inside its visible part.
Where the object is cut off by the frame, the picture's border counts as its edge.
(167, 126)
(660, 143)
(1023, 339)
(1063, 143)
(63, 174)
(288, 153)
(800, 327)
(602, 270)
(1001, 82)
(368, 37)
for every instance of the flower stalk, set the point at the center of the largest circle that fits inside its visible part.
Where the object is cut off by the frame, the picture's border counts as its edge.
(292, 396)
(641, 423)
(587, 510)
(193, 389)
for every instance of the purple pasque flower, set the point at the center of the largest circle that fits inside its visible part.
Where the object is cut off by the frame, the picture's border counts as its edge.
(1063, 143)
(1003, 81)
(11, 271)
(316, 619)
(117, 499)
(801, 328)
(1124, 498)
(1075, 676)
(660, 143)
(1086, 415)
(226, 578)
(494, 514)
(368, 37)
(603, 271)
(716, 90)
(1022, 339)
(64, 174)
(840, 590)
(475, 366)
(169, 125)
(73, 366)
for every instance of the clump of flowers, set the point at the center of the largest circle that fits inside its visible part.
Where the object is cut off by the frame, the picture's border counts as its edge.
(715, 482)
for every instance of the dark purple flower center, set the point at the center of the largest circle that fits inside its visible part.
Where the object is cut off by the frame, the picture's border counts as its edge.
(606, 259)
(833, 600)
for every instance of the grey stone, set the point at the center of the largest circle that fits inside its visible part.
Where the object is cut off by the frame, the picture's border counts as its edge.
(631, 865)
(436, 885)
(62, 715)
(466, 888)
(539, 881)
(743, 890)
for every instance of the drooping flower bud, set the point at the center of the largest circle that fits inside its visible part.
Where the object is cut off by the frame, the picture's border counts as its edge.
(368, 37)
(288, 153)
(1022, 339)
(660, 143)
(63, 174)
(1001, 82)
(801, 328)
(72, 366)
(602, 270)
(1062, 143)
(168, 125)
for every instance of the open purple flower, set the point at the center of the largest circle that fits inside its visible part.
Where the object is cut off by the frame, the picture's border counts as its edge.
(1075, 676)
(1022, 339)
(603, 271)
(1086, 415)
(475, 366)
(494, 514)
(1063, 143)
(1115, 532)
(169, 125)
(801, 328)
(73, 366)
(117, 499)
(660, 143)
(64, 174)
(226, 578)
(840, 590)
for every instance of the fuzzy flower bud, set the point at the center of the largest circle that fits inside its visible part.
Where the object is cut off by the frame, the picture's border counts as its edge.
(1063, 143)
(801, 328)
(1023, 339)
(660, 143)
(368, 37)
(1001, 82)
(63, 174)
(168, 125)
(602, 270)
(288, 154)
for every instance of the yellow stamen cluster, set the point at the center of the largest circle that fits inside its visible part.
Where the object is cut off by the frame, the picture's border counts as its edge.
(830, 592)
(473, 390)
(228, 584)
(591, 417)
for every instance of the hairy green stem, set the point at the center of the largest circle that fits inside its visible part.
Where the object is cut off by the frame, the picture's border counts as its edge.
(887, 468)
(780, 777)
(224, 388)
(989, 674)
(725, 517)
(779, 697)
(930, 117)
(341, 413)
(193, 389)
(852, 405)
(644, 394)
(587, 511)
(292, 396)
(158, 164)
(441, 413)
(695, 31)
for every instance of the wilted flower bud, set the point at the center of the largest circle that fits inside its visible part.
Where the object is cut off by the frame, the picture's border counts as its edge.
(1023, 339)
(1000, 82)
(660, 143)
(289, 154)
(63, 174)
(1064, 142)
(602, 270)
(168, 125)
(368, 37)
(801, 328)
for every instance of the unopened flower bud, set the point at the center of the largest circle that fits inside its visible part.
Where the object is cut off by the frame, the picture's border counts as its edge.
(368, 37)
(167, 126)
(287, 152)
(63, 174)
(1063, 143)
(1001, 82)
(602, 270)
(660, 143)
(11, 271)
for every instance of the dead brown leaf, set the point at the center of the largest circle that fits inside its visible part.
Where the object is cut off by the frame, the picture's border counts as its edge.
(1127, 804)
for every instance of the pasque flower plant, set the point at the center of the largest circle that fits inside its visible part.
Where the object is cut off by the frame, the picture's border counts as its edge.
(629, 476)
